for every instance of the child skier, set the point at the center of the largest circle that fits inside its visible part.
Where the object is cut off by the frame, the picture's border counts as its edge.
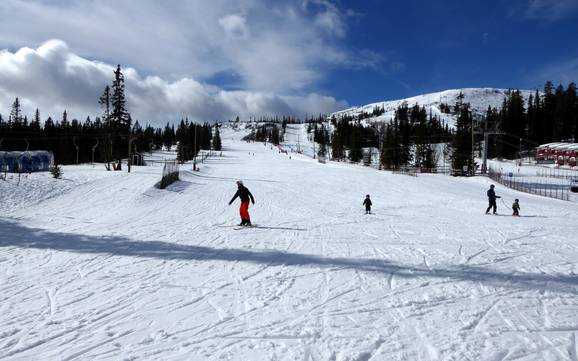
(244, 194)
(367, 204)
(516, 208)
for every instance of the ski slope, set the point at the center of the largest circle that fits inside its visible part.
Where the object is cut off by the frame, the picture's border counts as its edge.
(103, 266)
(478, 98)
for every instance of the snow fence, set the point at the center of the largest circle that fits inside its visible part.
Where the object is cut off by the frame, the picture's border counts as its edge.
(546, 183)
(26, 162)
(170, 174)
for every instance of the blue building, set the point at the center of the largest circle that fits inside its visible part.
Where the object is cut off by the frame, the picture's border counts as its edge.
(25, 162)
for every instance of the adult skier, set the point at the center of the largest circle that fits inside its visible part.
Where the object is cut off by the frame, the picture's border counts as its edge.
(367, 204)
(492, 199)
(244, 194)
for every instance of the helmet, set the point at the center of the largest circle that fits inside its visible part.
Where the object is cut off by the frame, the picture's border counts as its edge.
(492, 186)
(367, 195)
(239, 183)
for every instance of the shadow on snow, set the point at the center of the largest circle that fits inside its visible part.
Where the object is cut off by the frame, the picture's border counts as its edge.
(15, 235)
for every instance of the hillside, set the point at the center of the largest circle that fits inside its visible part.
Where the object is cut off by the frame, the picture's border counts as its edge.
(104, 266)
(479, 99)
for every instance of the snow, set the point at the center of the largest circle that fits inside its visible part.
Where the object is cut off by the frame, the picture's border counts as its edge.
(103, 266)
(479, 99)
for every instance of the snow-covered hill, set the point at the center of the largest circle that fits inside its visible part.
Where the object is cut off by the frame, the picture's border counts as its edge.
(103, 266)
(479, 99)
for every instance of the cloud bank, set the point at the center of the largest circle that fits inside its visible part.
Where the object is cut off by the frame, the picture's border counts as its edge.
(205, 60)
(53, 78)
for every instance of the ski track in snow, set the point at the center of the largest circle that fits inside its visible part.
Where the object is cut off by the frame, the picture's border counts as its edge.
(105, 266)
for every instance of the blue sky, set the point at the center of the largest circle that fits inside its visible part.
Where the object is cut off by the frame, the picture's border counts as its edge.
(454, 44)
(217, 59)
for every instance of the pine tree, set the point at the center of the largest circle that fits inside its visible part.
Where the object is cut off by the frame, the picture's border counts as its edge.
(322, 140)
(16, 112)
(513, 123)
(570, 112)
(336, 145)
(423, 149)
(119, 114)
(403, 135)
(168, 136)
(275, 135)
(461, 145)
(355, 151)
(104, 101)
(217, 139)
(56, 171)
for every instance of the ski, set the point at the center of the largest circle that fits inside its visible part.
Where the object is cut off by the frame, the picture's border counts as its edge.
(268, 227)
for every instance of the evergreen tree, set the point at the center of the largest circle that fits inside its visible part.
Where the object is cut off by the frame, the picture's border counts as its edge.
(322, 140)
(403, 133)
(336, 146)
(355, 151)
(513, 123)
(119, 114)
(104, 102)
(424, 153)
(168, 136)
(217, 139)
(16, 113)
(570, 112)
(461, 145)
(275, 135)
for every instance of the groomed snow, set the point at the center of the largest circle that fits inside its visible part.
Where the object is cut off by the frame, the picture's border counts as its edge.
(103, 266)
(478, 98)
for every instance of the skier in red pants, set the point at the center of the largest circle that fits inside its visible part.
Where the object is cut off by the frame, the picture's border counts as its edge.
(244, 194)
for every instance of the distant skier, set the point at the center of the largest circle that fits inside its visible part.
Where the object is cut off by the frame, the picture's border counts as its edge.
(492, 199)
(516, 208)
(244, 194)
(367, 204)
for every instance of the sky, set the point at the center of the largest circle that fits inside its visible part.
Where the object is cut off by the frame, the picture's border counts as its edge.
(218, 59)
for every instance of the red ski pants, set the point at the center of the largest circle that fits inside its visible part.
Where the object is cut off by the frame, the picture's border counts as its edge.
(244, 211)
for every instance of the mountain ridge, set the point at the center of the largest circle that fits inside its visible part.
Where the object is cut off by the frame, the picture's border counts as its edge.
(479, 99)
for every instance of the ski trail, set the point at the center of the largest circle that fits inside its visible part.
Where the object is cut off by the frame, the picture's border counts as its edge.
(573, 347)
(50, 295)
(473, 326)
(429, 351)
(469, 258)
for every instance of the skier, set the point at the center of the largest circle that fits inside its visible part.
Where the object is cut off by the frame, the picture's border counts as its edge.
(367, 204)
(516, 208)
(244, 194)
(492, 199)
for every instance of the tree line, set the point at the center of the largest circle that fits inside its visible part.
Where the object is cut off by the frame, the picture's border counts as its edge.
(547, 116)
(271, 129)
(107, 138)
(518, 126)
(407, 140)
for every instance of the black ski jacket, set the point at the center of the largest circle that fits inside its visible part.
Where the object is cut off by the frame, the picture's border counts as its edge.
(492, 195)
(244, 194)
(367, 202)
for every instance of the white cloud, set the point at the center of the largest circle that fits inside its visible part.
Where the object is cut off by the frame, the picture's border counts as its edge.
(235, 26)
(270, 47)
(53, 78)
(551, 9)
